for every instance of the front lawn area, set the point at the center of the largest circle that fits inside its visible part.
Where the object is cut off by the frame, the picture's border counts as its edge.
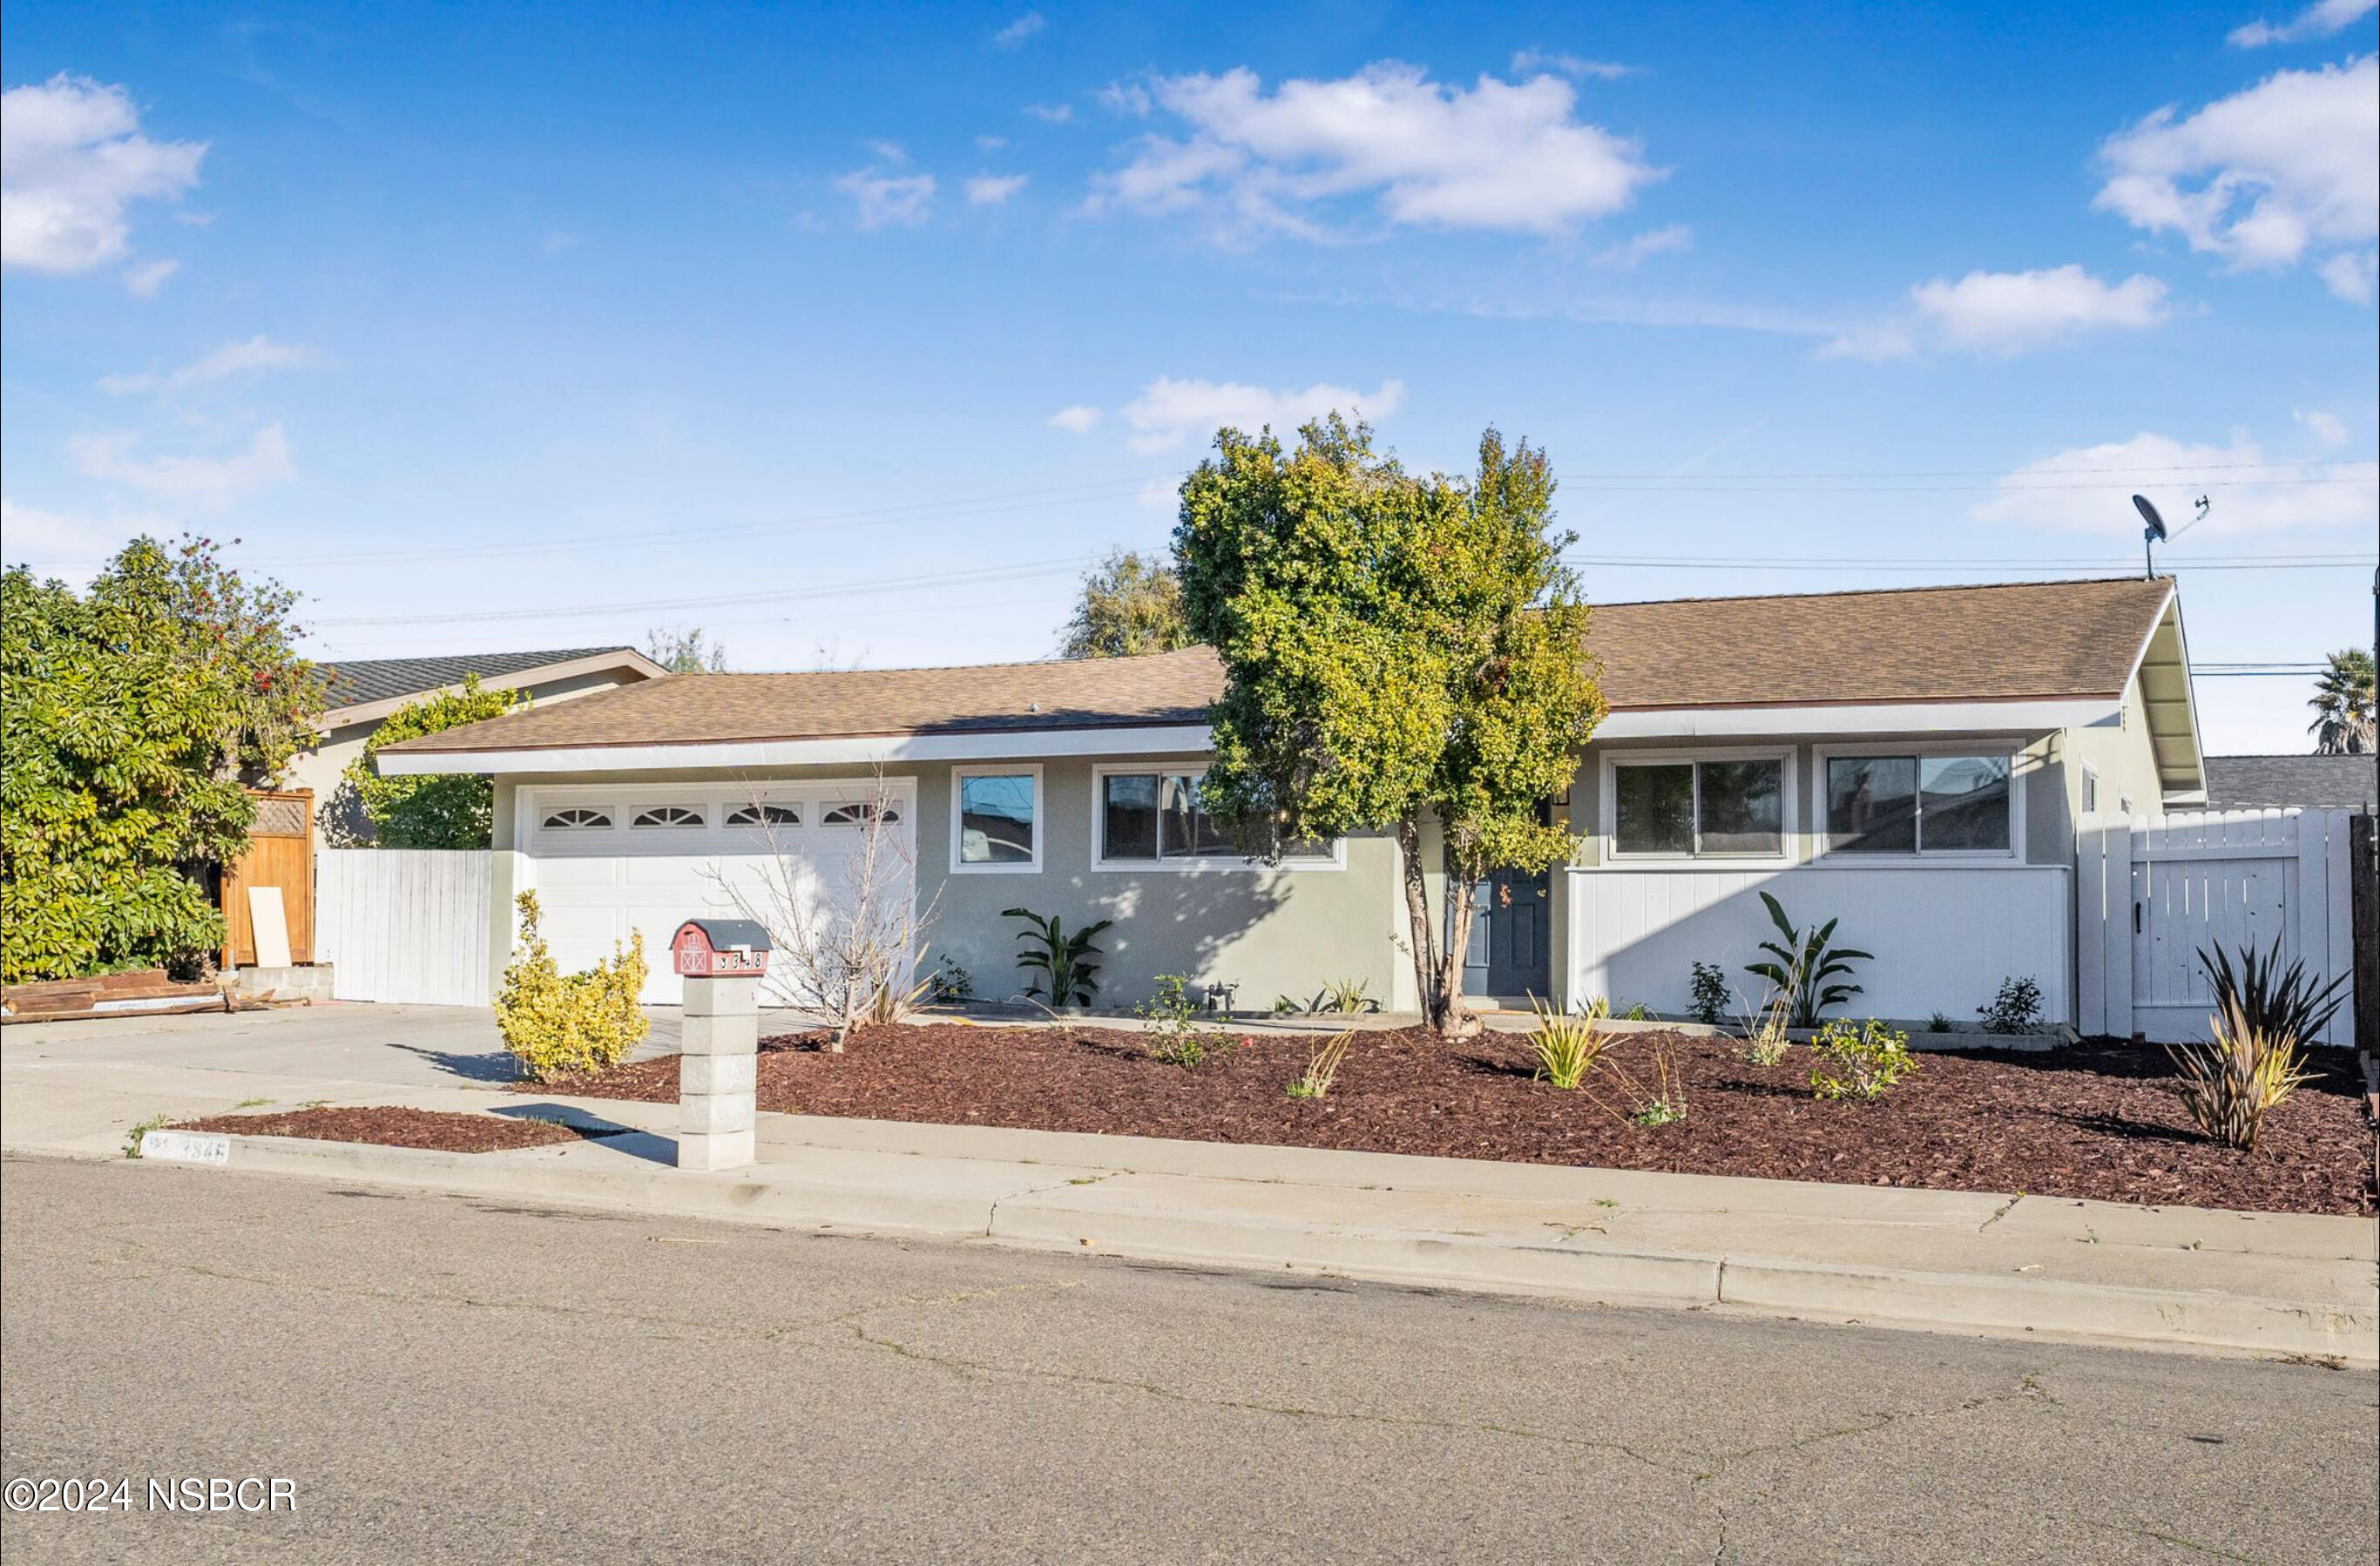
(2096, 1121)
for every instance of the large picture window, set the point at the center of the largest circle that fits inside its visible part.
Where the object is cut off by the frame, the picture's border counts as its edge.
(1155, 817)
(1918, 805)
(1718, 808)
(999, 819)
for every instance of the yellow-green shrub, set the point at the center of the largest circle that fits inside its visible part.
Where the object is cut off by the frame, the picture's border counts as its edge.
(555, 1023)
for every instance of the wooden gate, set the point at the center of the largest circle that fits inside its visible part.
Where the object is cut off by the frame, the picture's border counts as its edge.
(280, 853)
(2155, 891)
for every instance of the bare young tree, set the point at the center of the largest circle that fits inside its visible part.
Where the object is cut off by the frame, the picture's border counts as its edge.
(849, 941)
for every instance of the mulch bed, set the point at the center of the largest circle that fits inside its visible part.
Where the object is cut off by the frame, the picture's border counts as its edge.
(393, 1126)
(2099, 1120)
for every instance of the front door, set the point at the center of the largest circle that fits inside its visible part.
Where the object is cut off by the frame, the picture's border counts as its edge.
(1511, 953)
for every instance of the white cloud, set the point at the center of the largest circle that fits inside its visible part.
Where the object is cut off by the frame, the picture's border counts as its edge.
(888, 152)
(2007, 312)
(142, 279)
(1051, 114)
(1497, 155)
(2318, 20)
(991, 190)
(1631, 252)
(71, 159)
(2352, 275)
(2289, 165)
(1076, 419)
(991, 144)
(2086, 489)
(1169, 413)
(2326, 427)
(885, 199)
(259, 352)
(57, 538)
(1127, 98)
(212, 481)
(1020, 30)
(1529, 62)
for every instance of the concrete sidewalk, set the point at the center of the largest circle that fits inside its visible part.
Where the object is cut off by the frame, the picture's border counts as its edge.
(2003, 1265)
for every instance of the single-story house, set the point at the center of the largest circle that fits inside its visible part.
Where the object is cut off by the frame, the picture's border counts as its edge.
(365, 691)
(1913, 762)
(2281, 782)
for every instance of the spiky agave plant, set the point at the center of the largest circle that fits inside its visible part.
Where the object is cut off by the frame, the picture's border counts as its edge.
(2230, 1083)
(1567, 1044)
(2278, 1002)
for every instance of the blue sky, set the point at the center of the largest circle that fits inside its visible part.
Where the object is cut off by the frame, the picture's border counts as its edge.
(850, 334)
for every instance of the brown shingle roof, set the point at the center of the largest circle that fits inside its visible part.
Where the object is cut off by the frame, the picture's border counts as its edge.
(2016, 640)
(2033, 640)
(1166, 687)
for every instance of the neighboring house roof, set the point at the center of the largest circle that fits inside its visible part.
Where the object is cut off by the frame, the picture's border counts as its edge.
(2313, 783)
(364, 688)
(2042, 642)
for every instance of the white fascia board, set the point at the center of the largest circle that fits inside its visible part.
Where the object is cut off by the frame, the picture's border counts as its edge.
(1881, 718)
(752, 754)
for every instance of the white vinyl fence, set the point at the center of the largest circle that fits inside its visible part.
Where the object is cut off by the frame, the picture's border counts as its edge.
(404, 924)
(2154, 890)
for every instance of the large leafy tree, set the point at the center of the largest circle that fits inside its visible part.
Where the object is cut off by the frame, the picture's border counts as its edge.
(1129, 604)
(1399, 649)
(448, 811)
(131, 717)
(684, 652)
(2342, 706)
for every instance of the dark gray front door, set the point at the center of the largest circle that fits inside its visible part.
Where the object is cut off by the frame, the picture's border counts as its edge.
(1512, 946)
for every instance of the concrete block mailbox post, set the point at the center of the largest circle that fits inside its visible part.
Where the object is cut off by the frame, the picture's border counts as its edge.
(722, 962)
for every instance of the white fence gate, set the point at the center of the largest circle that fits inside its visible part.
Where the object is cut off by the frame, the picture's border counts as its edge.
(2152, 891)
(404, 924)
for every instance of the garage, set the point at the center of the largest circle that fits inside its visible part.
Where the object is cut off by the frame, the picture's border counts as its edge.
(607, 861)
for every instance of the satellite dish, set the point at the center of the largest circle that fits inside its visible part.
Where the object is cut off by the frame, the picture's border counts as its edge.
(2150, 534)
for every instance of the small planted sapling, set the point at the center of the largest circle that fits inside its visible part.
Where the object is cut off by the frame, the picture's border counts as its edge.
(1805, 960)
(1066, 965)
(2016, 1009)
(1710, 996)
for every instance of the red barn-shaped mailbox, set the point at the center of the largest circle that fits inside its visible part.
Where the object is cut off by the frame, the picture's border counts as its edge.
(717, 948)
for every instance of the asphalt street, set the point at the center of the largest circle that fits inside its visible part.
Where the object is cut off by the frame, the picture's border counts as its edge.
(440, 1378)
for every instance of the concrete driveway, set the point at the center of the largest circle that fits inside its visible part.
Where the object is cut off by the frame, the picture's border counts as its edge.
(75, 1085)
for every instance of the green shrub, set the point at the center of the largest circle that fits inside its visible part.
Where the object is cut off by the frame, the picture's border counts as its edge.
(1710, 995)
(950, 983)
(1804, 961)
(131, 717)
(442, 811)
(2229, 1085)
(1173, 1036)
(1862, 1062)
(2016, 1009)
(557, 1024)
(1568, 1044)
(1068, 964)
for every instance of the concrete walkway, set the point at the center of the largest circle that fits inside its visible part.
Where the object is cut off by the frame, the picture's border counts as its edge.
(2003, 1265)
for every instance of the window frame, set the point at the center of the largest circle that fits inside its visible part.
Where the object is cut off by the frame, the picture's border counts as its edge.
(2007, 749)
(702, 821)
(1788, 804)
(1334, 859)
(2090, 788)
(1041, 816)
(613, 818)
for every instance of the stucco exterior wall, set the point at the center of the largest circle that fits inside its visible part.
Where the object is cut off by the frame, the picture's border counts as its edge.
(1269, 931)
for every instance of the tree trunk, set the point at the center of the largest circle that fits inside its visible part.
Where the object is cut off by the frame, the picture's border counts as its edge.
(1438, 969)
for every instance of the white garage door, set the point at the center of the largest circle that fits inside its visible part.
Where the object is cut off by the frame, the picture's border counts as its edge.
(606, 862)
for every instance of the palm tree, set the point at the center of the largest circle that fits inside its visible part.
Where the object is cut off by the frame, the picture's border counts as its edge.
(2342, 704)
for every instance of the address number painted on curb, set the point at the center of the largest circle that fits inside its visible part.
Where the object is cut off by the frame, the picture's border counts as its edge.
(187, 1147)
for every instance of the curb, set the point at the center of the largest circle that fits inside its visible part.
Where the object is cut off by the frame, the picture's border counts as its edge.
(1059, 1207)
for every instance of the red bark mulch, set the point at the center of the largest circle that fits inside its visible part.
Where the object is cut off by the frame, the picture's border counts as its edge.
(2098, 1120)
(389, 1125)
